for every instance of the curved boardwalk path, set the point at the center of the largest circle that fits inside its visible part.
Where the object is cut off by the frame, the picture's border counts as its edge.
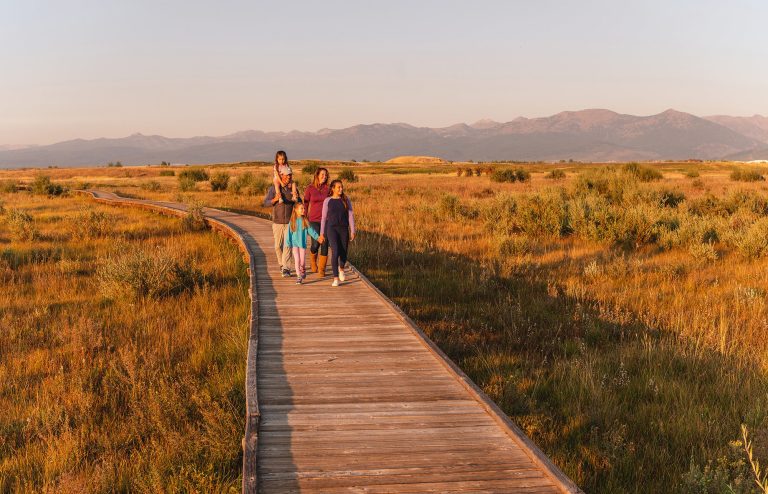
(352, 397)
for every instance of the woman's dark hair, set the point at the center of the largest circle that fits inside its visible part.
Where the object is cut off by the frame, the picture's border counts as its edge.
(281, 153)
(316, 179)
(343, 197)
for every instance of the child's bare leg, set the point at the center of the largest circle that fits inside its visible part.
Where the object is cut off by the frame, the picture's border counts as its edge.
(277, 184)
(294, 192)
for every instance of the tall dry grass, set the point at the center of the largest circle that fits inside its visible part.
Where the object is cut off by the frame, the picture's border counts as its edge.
(104, 388)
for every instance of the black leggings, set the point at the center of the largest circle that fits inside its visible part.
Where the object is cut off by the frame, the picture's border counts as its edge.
(315, 244)
(338, 237)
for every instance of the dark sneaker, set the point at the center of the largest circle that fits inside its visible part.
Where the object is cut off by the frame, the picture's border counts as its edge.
(286, 273)
(298, 282)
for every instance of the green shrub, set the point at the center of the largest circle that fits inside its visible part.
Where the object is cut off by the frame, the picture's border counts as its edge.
(500, 214)
(670, 198)
(642, 173)
(195, 173)
(607, 182)
(708, 205)
(637, 225)
(459, 172)
(543, 215)
(451, 207)
(703, 252)
(21, 224)
(746, 175)
(522, 175)
(504, 175)
(91, 223)
(754, 243)
(42, 185)
(152, 186)
(555, 175)
(220, 181)
(250, 184)
(143, 273)
(194, 220)
(310, 168)
(167, 173)
(752, 201)
(591, 216)
(8, 186)
(187, 184)
(114, 165)
(347, 175)
(691, 174)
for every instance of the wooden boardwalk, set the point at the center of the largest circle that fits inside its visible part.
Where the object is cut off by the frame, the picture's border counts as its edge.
(345, 394)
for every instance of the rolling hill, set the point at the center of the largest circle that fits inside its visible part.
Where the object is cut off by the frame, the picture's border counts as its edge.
(587, 135)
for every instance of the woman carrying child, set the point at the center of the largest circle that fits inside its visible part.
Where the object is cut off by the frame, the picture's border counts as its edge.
(338, 226)
(282, 159)
(296, 239)
(314, 197)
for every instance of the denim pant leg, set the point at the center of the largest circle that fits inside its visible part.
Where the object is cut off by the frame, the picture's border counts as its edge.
(317, 246)
(338, 237)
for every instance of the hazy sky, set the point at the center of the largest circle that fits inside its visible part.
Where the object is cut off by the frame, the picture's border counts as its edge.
(180, 68)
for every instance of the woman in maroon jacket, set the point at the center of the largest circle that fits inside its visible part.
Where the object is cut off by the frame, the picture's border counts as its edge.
(314, 195)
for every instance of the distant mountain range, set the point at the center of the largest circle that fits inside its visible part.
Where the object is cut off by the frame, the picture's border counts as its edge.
(587, 135)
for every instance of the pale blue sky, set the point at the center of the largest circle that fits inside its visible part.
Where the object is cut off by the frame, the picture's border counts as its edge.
(181, 68)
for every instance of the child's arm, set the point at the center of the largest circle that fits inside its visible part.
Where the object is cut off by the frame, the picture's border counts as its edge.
(351, 217)
(312, 232)
(294, 192)
(325, 214)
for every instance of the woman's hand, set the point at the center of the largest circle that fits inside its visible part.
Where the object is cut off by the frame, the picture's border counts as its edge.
(351, 236)
(321, 239)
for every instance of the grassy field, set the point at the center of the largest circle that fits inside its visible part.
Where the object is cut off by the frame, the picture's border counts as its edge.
(616, 312)
(122, 349)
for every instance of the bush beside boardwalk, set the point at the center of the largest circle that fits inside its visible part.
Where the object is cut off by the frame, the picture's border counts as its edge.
(617, 315)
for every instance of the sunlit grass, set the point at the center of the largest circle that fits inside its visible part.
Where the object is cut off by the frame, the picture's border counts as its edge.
(101, 392)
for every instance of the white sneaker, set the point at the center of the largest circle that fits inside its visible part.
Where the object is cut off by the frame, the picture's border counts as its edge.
(341, 275)
(335, 282)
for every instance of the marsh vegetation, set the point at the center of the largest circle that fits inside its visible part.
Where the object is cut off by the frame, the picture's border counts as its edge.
(616, 312)
(122, 342)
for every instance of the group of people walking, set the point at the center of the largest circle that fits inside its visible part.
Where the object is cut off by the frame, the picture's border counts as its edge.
(324, 214)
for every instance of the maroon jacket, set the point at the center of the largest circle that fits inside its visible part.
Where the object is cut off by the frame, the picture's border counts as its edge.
(313, 201)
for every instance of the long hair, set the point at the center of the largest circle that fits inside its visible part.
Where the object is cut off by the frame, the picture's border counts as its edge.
(278, 154)
(294, 217)
(343, 197)
(316, 180)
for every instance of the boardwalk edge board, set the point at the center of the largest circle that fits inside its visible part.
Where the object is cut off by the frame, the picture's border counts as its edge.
(252, 419)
